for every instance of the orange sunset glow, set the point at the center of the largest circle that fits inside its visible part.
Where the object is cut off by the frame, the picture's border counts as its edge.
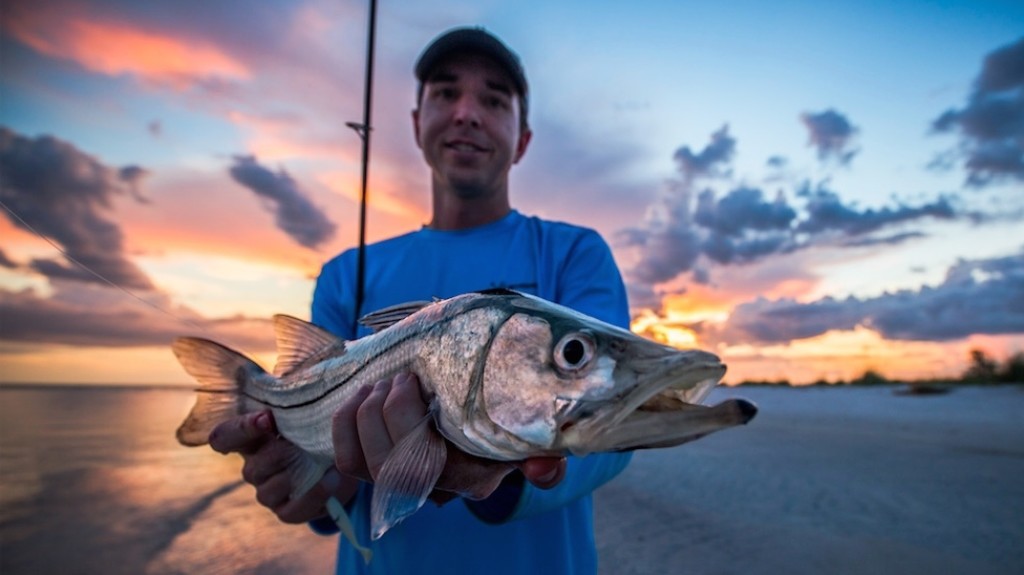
(201, 167)
(116, 49)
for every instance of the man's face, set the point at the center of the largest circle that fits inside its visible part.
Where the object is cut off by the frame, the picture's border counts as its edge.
(468, 126)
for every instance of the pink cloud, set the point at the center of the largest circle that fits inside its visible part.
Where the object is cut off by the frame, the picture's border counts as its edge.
(119, 49)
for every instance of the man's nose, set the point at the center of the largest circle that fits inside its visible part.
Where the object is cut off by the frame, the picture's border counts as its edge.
(467, 111)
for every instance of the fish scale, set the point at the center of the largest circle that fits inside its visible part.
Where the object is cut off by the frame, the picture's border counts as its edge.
(309, 426)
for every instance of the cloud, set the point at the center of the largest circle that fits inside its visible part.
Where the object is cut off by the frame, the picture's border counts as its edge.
(827, 212)
(985, 297)
(294, 213)
(765, 321)
(742, 226)
(831, 134)
(683, 228)
(62, 193)
(6, 261)
(976, 297)
(990, 126)
(741, 209)
(710, 161)
(890, 240)
(106, 45)
(725, 250)
(104, 317)
(132, 176)
(667, 239)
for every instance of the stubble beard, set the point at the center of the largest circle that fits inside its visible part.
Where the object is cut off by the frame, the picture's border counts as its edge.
(470, 191)
(476, 187)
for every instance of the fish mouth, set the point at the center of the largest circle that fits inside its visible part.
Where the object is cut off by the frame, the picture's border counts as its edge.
(659, 408)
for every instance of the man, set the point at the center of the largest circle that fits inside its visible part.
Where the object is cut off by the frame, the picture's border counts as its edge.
(530, 517)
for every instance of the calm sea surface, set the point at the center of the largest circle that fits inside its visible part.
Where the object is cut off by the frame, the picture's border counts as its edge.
(92, 480)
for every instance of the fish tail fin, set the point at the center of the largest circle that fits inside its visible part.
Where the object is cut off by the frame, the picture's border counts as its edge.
(223, 375)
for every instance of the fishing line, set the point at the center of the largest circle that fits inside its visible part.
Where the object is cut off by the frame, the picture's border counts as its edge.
(98, 275)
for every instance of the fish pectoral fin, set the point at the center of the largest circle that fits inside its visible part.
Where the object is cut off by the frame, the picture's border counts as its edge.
(407, 477)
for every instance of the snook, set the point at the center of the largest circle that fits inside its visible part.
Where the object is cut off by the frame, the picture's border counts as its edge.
(508, 376)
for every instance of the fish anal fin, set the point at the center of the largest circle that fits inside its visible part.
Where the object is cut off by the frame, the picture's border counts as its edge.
(407, 477)
(304, 471)
(301, 344)
(389, 316)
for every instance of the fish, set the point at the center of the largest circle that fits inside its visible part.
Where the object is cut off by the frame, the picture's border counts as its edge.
(507, 376)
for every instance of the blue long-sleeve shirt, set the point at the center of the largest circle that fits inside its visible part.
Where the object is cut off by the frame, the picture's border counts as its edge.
(548, 531)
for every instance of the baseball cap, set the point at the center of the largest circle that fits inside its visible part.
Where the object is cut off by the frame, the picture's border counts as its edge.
(474, 40)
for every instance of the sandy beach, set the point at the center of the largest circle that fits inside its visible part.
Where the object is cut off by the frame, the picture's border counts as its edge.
(851, 480)
(855, 480)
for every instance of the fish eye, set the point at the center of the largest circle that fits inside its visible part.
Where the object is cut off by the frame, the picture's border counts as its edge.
(574, 351)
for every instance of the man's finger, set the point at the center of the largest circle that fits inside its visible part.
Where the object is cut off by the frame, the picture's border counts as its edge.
(373, 431)
(310, 505)
(274, 491)
(301, 510)
(470, 476)
(404, 408)
(543, 472)
(243, 434)
(271, 458)
(348, 451)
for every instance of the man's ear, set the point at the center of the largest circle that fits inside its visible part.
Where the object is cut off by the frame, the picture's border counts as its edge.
(416, 126)
(522, 144)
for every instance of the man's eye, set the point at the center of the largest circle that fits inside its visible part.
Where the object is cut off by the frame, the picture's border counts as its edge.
(446, 94)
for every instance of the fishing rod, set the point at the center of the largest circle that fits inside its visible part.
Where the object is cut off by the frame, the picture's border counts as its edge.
(363, 130)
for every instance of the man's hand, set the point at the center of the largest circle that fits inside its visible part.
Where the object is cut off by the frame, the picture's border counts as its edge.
(369, 425)
(255, 437)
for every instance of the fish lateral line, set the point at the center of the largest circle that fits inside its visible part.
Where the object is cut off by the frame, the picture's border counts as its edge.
(355, 373)
(359, 368)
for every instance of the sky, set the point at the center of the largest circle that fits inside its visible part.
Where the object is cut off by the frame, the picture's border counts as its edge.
(808, 189)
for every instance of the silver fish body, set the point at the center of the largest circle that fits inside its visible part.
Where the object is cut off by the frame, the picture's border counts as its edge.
(508, 376)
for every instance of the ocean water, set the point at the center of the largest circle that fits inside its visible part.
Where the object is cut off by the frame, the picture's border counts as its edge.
(92, 480)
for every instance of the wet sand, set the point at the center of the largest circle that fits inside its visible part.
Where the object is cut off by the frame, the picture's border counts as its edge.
(853, 480)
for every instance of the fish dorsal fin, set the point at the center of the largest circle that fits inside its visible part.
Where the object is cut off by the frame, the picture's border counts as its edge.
(300, 343)
(389, 316)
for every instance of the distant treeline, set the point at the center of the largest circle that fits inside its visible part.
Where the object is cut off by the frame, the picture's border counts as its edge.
(983, 370)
